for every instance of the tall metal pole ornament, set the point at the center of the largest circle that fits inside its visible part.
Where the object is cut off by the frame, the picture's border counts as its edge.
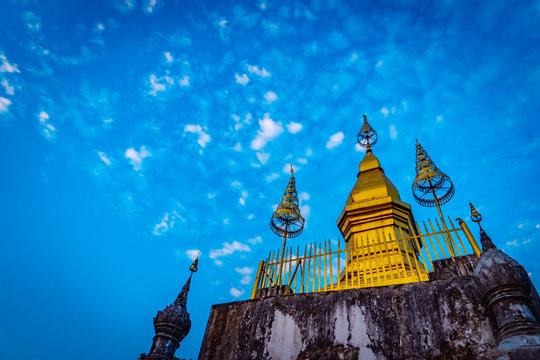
(286, 221)
(431, 187)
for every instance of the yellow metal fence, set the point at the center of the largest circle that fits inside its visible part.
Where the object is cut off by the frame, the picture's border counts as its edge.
(366, 262)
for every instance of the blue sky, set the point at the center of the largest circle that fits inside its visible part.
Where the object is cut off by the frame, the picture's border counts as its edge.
(136, 133)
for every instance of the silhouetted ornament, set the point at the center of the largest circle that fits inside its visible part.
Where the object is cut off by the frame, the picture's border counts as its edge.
(367, 136)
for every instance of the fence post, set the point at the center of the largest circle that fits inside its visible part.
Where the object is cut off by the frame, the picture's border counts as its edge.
(470, 237)
(257, 280)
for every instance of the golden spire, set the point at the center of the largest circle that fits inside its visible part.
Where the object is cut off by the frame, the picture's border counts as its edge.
(367, 136)
(286, 221)
(195, 266)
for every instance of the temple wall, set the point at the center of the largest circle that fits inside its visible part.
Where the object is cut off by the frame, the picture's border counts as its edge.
(442, 319)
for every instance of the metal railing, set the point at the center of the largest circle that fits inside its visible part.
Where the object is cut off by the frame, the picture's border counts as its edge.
(383, 259)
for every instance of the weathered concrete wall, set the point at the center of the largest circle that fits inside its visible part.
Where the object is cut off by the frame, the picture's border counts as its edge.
(442, 319)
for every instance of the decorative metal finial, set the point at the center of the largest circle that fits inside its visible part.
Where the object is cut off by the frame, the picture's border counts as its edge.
(292, 170)
(431, 187)
(195, 266)
(286, 221)
(367, 136)
(475, 215)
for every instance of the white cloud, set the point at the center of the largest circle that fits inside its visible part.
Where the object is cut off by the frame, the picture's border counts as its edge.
(385, 111)
(272, 177)
(526, 241)
(9, 89)
(184, 81)
(242, 199)
(263, 157)
(294, 127)
(236, 293)
(302, 160)
(136, 157)
(167, 222)
(538, 226)
(335, 140)
(149, 5)
(379, 64)
(48, 129)
(309, 152)
(204, 138)
(250, 217)
(305, 211)
(393, 132)
(303, 196)
(168, 57)
(237, 147)
(100, 27)
(4, 104)
(228, 249)
(156, 85)
(6, 66)
(359, 148)
(520, 226)
(255, 240)
(243, 80)
(255, 70)
(512, 243)
(124, 6)
(439, 118)
(225, 222)
(246, 271)
(236, 185)
(270, 97)
(193, 254)
(33, 22)
(268, 131)
(104, 158)
(211, 195)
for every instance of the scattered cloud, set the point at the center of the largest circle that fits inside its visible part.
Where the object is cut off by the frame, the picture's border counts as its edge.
(385, 111)
(242, 199)
(4, 104)
(393, 132)
(237, 147)
(359, 148)
(125, 6)
(255, 240)
(136, 157)
(335, 140)
(9, 89)
(255, 70)
(236, 184)
(241, 79)
(263, 157)
(269, 129)
(228, 249)
(270, 97)
(302, 160)
(309, 152)
(193, 254)
(104, 158)
(203, 139)
(168, 57)
(184, 81)
(211, 195)
(6, 66)
(47, 129)
(167, 223)
(512, 243)
(236, 293)
(294, 127)
(439, 118)
(159, 84)
(272, 177)
(33, 22)
(246, 272)
(149, 6)
(250, 217)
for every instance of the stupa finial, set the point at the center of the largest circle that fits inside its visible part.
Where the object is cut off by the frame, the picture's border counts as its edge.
(367, 136)
(286, 221)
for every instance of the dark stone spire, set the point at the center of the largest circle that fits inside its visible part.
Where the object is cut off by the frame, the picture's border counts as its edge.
(486, 241)
(172, 324)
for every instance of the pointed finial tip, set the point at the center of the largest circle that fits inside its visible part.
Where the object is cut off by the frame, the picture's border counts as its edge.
(292, 170)
(365, 117)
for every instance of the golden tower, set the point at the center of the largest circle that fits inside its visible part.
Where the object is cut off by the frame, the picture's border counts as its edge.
(374, 223)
